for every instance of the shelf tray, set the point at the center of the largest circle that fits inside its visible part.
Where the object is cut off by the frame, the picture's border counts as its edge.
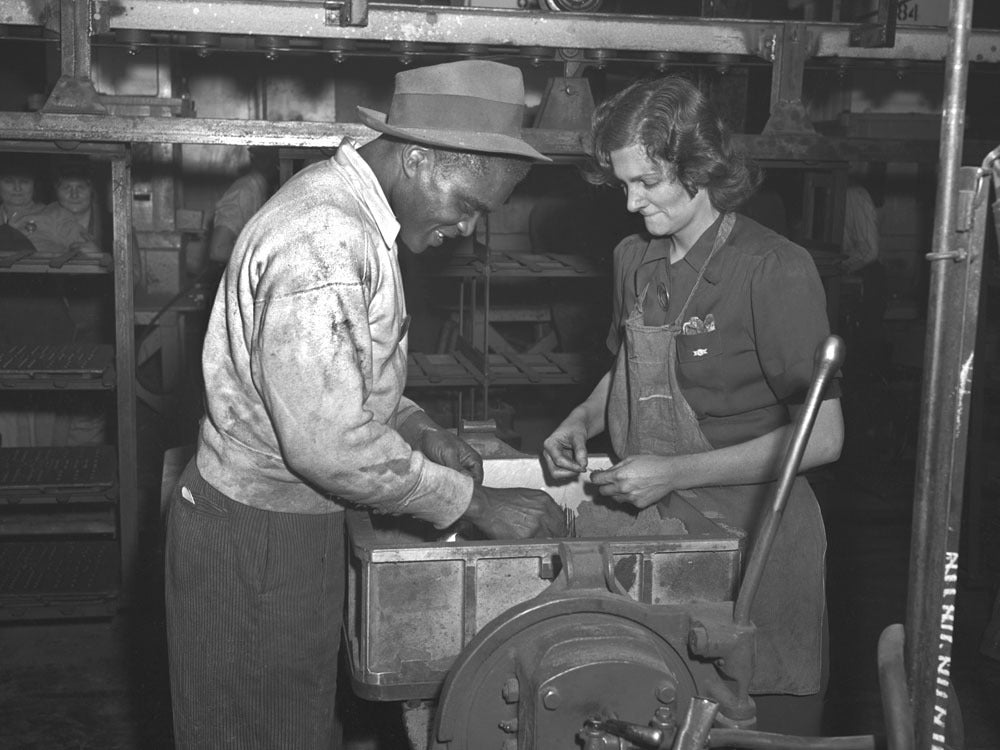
(43, 366)
(537, 369)
(46, 579)
(522, 264)
(57, 472)
(34, 263)
(49, 521)
(441, 370)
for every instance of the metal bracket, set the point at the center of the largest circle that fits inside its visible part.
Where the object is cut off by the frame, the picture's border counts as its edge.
(567, 104)
(74, 92)
(955, 255)
(882, 33)
(347, 13)
(968, 205)
(100, 17)
(74, 96)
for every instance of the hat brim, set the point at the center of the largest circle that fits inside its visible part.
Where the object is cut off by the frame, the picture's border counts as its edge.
(461, 140)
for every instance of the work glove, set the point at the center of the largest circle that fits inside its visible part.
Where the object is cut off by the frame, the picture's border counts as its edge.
(441, 446)
(514, 513)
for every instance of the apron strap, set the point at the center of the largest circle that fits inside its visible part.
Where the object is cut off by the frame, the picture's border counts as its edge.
(720, 239)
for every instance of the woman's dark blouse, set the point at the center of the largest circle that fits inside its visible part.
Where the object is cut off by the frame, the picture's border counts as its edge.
(768, 307)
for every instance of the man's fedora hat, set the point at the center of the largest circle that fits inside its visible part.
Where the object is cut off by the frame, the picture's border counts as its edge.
(470, 105)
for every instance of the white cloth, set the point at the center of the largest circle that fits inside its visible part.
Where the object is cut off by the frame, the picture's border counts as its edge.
(860, 229)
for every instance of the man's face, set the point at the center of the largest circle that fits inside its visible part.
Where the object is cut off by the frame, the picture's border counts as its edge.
(16, 190)
(437, 204)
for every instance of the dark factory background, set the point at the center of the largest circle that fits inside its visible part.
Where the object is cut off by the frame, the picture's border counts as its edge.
(105, 362)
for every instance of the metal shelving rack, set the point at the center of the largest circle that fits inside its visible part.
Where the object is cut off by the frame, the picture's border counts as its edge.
(69, 515)
(474, 348)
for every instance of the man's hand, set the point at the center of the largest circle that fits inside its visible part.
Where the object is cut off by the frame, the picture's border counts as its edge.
(637, 480)
(515, 513)
(442, 447)
(565, 450)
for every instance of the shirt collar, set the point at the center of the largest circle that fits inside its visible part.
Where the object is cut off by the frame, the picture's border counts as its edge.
(659, 249)
(702, 248)
(371, 191)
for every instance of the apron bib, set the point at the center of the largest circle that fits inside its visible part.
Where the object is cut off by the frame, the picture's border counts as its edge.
(648, 414)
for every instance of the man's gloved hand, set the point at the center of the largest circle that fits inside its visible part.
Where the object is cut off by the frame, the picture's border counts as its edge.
(515, 513)
(441, 446)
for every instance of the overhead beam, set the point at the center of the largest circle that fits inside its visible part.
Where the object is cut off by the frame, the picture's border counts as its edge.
(502, 27)
(96, 129)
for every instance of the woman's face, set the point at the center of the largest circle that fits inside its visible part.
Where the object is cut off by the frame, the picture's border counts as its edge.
(74, 194)
(652, 190)
(16, 190)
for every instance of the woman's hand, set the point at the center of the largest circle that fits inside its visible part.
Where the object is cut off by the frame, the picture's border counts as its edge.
(565, 450)
(638, 480)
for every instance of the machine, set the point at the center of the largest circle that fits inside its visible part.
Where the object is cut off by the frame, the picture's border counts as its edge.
(602, 642)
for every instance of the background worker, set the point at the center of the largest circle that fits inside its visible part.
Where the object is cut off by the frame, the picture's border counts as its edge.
(716, 324)
(861, 261)
(17, 193)
(242, 199)
(305, 366)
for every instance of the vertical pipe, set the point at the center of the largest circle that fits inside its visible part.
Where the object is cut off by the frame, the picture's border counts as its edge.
(486, 316)
(935, 456)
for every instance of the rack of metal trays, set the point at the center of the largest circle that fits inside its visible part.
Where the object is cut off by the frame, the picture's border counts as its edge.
(472, 353)
(59, 551)
(58, 505)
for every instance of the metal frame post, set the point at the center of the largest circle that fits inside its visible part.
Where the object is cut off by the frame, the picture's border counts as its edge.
(74, 91)
(126, 387)
(956, 274)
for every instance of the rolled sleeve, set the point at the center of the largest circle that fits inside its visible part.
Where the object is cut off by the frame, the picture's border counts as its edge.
(324, 430)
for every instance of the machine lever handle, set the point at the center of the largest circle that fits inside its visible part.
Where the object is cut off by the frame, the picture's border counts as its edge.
(829, 357)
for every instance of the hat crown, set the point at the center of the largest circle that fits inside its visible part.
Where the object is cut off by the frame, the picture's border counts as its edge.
(482, 79)
(468, 105)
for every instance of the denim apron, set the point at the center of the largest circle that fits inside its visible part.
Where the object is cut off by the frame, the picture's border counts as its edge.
(648, 414)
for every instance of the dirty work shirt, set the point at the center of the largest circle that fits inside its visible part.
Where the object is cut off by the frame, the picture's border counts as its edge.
(752, 329)
(305, 359)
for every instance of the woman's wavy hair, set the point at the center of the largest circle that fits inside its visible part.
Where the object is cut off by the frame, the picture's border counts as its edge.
(677, 125)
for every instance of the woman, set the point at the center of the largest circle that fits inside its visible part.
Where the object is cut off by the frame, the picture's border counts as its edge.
(17, 194)
(716, 324)
(78, 223)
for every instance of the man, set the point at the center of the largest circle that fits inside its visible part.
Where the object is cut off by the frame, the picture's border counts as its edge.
(304, 364)
(242, 200)
(861, 262)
